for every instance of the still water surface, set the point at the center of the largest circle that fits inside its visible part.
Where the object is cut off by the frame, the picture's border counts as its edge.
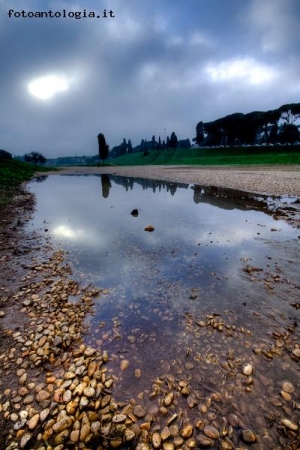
(159, 283)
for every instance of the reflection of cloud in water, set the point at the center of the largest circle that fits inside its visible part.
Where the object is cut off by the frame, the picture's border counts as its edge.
(234, 235)
(190, 238)
(87, 237)
(67, 232)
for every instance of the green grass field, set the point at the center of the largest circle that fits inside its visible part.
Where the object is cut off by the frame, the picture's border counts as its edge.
(12, 173)
(214, 156)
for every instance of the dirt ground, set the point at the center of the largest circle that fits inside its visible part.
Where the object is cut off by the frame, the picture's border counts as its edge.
(14, 249)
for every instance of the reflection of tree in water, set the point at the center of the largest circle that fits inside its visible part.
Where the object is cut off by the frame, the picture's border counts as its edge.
(128, 183)
(160, 185)
(172, 187)
(131, 183)
(106, 185)
(228, 198)
(205, 194)
(197, 194)
(41, 178)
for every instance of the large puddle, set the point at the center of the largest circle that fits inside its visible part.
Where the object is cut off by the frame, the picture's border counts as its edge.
(189, 303)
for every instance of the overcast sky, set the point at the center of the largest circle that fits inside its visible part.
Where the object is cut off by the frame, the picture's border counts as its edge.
(157, 65)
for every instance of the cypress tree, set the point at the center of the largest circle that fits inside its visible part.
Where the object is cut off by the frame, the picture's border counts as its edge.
(103, 147)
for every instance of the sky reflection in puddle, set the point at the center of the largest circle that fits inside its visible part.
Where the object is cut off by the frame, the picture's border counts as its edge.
(189, 266)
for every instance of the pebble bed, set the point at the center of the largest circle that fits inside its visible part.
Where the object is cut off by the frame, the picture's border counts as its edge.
(69, 402)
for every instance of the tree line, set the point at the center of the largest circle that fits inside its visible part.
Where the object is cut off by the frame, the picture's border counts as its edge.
(269, 127)
(145, 145)
(276, 126)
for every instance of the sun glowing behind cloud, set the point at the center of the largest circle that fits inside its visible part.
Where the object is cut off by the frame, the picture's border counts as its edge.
(46, 87)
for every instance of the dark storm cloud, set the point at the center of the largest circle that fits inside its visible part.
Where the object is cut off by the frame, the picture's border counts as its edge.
(157, 65)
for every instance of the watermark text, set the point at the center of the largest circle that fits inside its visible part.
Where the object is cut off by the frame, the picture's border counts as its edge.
(60, 14)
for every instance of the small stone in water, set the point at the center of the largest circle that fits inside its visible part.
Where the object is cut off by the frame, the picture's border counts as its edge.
(168, 446)
(62, 424)
(204, 442)
(186, 431)
(44, 414)
(124, 364)
(74, 436)
(20, 424)
(296, 352)
(69, 375)
(89, 392)
(119, 418)
(23, 414)
(57, 341)
(288, 387)
(25, 439)
(286, 396)
(42, 395)
(289, 424)
(233, 420)
(67, 396)
(171, 419)
(156, 440)
(168, 399)
(33, 422)
(129, 435)
(226, 445)
(191, 443)
(71, 407)
(149, 228)
(165, 434)
(139, 412)
(14, 417)
(84, 432)
(211, 432)
(92, 368)
(191, 401)
(248, 436)
(137, 373)
(84, 401)
(178, 441)
(247, 369)
(28, 399)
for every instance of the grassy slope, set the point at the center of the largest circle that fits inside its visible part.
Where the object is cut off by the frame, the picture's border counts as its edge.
(12, 173)
(215, 156)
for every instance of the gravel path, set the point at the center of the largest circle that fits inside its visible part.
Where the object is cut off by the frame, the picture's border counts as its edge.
(271, 180)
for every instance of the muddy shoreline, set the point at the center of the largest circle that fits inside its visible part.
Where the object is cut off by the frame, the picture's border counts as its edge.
(42, 352)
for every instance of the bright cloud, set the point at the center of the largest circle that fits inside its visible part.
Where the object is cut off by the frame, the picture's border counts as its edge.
(244, 69)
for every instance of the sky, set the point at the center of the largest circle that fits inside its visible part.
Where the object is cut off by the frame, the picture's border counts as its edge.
(154, 67)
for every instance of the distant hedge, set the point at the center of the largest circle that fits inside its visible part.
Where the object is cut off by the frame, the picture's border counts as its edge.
(5, 155)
